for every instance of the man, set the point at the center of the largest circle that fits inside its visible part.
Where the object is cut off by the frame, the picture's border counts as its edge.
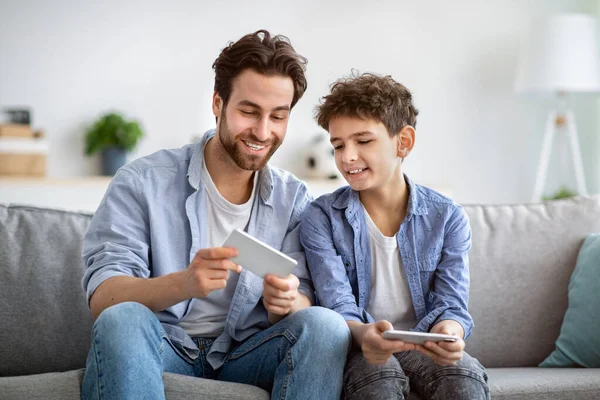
(167, 297)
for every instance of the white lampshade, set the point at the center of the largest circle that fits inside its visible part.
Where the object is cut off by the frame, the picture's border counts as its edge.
(561, 54)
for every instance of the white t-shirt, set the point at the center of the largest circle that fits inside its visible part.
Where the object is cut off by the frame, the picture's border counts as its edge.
(389, 297)
(207, 316)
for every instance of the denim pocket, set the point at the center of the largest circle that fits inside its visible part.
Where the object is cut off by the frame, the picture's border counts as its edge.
(427, 268)
(189, 355)
(433, 257)
(257, 340)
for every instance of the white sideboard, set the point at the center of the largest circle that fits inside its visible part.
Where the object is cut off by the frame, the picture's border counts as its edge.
(85, 193)
(76, 194)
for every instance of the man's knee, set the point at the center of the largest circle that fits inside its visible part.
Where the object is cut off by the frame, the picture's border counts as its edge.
(323, 321)
(123, 318)
(325, 327)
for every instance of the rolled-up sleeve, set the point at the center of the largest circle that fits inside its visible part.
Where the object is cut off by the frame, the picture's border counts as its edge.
(332, 285)
(450, 293)
(117, 240)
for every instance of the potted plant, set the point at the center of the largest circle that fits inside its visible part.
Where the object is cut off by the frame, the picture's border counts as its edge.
(561, 193)
(113, 136)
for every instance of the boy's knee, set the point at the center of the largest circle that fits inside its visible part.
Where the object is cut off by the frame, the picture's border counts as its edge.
(468, 377)
(470, 366)
(364, 380)
(470, 384)
(356, 364)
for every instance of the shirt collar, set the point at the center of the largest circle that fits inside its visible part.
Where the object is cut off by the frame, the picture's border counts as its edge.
(195, 168)
(416, 205)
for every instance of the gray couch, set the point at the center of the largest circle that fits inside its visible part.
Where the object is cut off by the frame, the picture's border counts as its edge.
(521, 261)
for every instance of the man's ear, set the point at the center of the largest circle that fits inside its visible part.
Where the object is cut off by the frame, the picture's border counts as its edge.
(406, 141)
(217, 104)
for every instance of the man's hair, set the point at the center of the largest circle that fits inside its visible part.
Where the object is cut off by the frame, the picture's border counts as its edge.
(369, 96)
(263, 53)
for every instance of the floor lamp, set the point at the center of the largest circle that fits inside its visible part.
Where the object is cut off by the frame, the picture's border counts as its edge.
(560, 56)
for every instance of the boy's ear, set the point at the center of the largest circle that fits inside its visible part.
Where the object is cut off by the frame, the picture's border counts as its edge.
(406, 141)
(217, 104)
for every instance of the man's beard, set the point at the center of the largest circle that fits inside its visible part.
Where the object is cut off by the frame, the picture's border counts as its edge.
(244, 161)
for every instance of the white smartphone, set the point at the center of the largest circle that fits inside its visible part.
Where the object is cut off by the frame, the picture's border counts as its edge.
(259, 257)
(417, 337)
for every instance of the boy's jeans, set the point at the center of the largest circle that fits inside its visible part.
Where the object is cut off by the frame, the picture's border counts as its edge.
(414, 371)
(301, 356)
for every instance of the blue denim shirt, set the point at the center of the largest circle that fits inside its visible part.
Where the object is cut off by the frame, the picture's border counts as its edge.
(151, 223)
(434, 240)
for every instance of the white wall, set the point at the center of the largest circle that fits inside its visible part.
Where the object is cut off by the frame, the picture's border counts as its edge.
(71, 60)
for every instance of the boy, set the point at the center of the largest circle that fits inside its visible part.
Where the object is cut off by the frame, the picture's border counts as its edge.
(387, 253)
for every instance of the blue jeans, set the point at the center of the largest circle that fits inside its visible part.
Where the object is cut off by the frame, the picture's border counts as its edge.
(302, 356)
(412, 370)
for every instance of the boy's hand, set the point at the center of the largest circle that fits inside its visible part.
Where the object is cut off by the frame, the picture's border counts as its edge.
(279, 294)
(445, 353)
(209, 271)
(378, 350)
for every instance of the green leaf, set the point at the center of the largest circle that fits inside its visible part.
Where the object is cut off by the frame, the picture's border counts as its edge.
(562, 193)
(112, 130)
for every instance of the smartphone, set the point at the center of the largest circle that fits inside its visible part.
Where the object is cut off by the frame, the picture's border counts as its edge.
(258, 257)
(417, 337)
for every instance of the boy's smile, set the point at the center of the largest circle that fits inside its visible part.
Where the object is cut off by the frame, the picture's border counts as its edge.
(353, 174)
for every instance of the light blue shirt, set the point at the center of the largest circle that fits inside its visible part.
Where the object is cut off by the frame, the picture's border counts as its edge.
(151, 223)
(434, 240)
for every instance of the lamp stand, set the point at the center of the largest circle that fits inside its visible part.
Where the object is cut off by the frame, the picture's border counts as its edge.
(567, 120)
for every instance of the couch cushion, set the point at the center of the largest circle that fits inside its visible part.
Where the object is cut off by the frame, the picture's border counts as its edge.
(51, 386)
(579, 340)
(67, 385)
(521, 261)
(46, 323)
(541, 384)
(544, 383)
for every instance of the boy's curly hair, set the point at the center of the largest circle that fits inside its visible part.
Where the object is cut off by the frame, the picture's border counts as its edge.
(369, 96)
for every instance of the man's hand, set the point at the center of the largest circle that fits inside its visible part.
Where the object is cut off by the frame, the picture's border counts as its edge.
(209, 271)
(280, 294)
(445, 353)
(378, 350)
